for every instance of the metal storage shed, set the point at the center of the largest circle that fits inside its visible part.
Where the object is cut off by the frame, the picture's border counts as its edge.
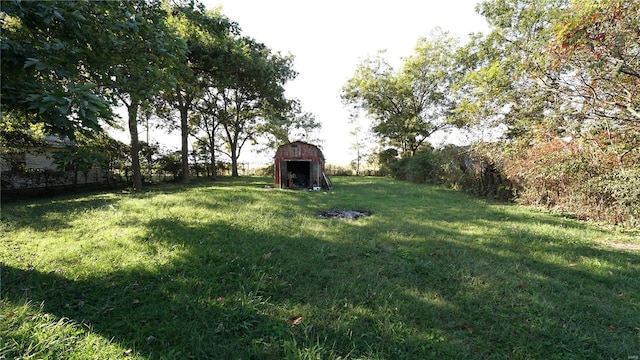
(299, 165)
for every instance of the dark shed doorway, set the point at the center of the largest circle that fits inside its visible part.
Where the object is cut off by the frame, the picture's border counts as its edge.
(301, 171)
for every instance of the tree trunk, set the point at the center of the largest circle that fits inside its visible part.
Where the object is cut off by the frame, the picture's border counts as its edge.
(184, 125)
(213, 158)
(234, 162)
(75, 177)
(135, 147)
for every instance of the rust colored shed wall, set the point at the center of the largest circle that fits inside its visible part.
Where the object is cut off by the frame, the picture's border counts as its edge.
(295, 152)
(299, 151)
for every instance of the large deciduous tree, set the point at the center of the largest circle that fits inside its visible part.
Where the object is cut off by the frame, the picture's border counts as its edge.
(562, 77)
(65, 62)
(595, 62)
(247, 92)
(144, 50)
(498, 88)
(52, 62)
(598, 44)
(553, 67)
(409, 105)
(206, 34)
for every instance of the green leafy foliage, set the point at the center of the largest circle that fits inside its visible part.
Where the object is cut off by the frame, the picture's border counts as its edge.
(51, 53)
(66, 63)
(138, 76)
(409, 105)
(558, 80)
(423, 167)
(597, 41)
(248, 96)
(206, 34)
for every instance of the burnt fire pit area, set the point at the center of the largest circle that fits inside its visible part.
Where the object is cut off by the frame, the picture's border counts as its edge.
(343, 214)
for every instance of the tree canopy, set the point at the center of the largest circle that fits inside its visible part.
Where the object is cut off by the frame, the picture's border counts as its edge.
(556, 84)
(53, 60)
(66, 65)
(409, 105)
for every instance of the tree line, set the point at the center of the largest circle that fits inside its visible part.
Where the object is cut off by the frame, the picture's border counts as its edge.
(67, 65)
(558, 81)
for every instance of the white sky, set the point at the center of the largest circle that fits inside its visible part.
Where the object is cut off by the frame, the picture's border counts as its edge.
(329, 38)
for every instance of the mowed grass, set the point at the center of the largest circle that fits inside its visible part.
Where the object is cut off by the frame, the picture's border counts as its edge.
(231, 270)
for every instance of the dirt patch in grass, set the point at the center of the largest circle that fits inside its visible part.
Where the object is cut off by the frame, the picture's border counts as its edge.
(622, 246)
(343, 214)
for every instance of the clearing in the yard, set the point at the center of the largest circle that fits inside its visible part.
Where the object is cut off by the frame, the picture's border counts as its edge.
(230, 270)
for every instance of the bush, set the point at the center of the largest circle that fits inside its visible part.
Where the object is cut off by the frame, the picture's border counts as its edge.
(572, 177)
(265, 171)
(473, 170)
(457, 167)
(616, 195)
(423, 167)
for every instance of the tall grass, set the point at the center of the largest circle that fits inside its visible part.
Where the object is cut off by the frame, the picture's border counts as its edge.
(232, 270)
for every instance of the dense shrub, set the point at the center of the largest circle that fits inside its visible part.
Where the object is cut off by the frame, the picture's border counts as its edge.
(615, 195)
(457, 167)
(578, 179)
(461, 168)
(568, 176)
(423, 167)
(547, 174)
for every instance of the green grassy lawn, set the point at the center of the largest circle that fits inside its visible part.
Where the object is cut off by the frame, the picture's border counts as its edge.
(231, 270)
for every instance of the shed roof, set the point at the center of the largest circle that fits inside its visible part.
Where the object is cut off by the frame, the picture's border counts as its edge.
(281, 149)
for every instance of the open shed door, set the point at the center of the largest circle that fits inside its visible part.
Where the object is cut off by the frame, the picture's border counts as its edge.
(316, 174)
(302, 171)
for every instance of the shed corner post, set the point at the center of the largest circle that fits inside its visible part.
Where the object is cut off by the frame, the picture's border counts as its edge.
(276, 173)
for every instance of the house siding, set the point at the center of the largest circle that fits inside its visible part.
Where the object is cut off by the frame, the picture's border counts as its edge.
(38, 171)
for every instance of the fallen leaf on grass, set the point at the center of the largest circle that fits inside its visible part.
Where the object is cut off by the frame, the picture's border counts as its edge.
(612, 328)
(107, 309)
(220, 328)
(266, 255)
(296, 320)
(466, 328)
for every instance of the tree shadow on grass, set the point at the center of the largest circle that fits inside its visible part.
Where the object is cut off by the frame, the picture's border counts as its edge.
(140, 311)
(222, 296)
(227, 291)
(567, 296)
(59, 212)
(51, 214)
(439, 203)
(188, 308)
